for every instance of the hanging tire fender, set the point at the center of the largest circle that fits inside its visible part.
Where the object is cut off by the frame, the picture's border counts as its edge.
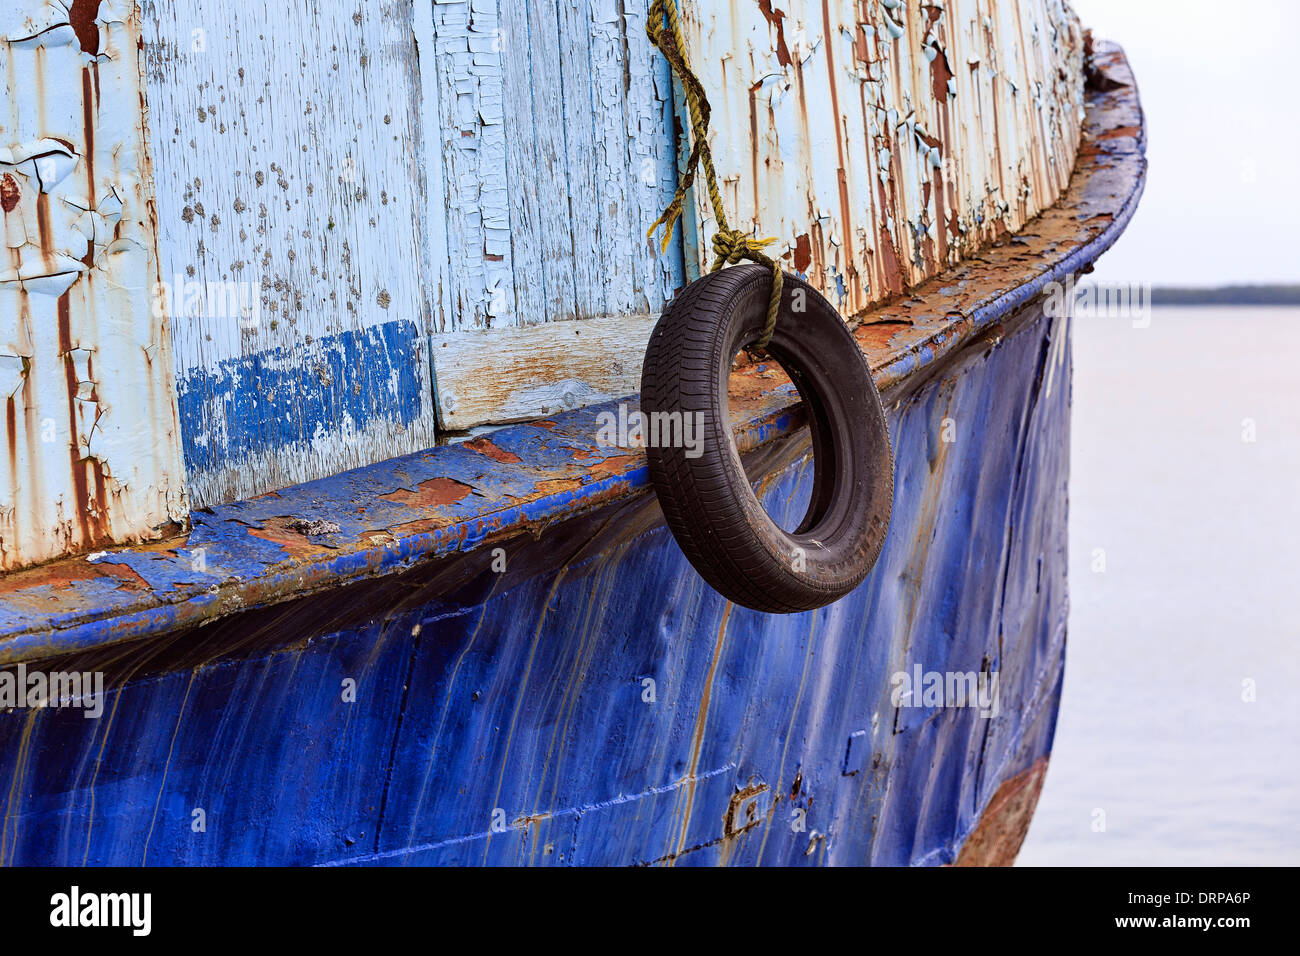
(707, 500)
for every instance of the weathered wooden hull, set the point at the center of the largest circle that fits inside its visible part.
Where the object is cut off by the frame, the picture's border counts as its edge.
(494, 652)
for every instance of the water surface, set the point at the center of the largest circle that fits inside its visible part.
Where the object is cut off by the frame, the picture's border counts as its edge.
(1199, 529)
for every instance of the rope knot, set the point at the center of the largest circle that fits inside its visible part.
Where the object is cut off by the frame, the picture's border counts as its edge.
(732, 245)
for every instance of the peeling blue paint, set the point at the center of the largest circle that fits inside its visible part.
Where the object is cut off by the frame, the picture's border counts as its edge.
(271, 399)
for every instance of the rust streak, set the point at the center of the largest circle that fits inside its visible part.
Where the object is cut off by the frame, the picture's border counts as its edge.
(846, 216)
(88, 121)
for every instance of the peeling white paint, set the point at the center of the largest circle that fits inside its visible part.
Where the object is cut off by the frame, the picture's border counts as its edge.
(291, 171)
(91, 447)
(882, 153)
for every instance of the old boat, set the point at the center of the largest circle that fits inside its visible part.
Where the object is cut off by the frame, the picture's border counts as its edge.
(309, 321)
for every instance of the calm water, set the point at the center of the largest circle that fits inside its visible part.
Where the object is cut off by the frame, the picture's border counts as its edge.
(1200, 531)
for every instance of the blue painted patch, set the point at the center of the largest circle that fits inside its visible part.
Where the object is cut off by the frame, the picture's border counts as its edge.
(275, 398)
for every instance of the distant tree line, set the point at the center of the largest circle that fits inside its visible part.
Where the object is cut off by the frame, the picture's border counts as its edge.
(1228, 295)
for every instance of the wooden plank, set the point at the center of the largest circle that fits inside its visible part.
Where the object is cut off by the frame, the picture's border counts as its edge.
(290, 157)
(537, 371)
(615, 168)
(538, 236)
(432, 179)
(471, 115)
(589, 261)
(652, 161)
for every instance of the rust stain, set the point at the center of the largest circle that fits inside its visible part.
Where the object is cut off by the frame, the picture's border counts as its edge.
(1005, 821)
(1119, 131)
(9, 193)
(88, 121)
(553, 485)
(280, 531)
(430, 494)
(802, 253)
(743, 811)
(485, 447)
(64, 574)
(775, 18)
(81, 17)
(11, 433)
(65, 329)
(613, 466)
(940, 71)
(893, 277)
(43, 221)
(874, 337)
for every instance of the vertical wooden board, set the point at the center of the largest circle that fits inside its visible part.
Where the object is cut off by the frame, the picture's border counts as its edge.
(433, 179)
(614, 172)
(90, 451)
(651, 169)
(289, 156)
(467, 56)
(590, 263)
(588, 161)
(539, 229)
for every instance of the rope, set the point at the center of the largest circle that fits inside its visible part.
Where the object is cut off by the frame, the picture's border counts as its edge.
(729, 245)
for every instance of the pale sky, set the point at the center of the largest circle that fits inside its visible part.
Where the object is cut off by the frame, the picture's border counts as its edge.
(1218, 82)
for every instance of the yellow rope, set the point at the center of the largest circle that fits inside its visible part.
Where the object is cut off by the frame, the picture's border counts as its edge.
(729, 245)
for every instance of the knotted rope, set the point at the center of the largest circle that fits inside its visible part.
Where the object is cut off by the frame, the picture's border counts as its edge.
(729, 245)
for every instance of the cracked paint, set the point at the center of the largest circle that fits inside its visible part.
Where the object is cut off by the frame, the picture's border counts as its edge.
(90, 424)
(972, 120)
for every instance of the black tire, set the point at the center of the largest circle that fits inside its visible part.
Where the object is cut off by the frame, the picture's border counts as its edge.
(707, 500)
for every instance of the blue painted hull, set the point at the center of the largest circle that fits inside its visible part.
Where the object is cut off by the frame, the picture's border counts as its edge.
(597, 703)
